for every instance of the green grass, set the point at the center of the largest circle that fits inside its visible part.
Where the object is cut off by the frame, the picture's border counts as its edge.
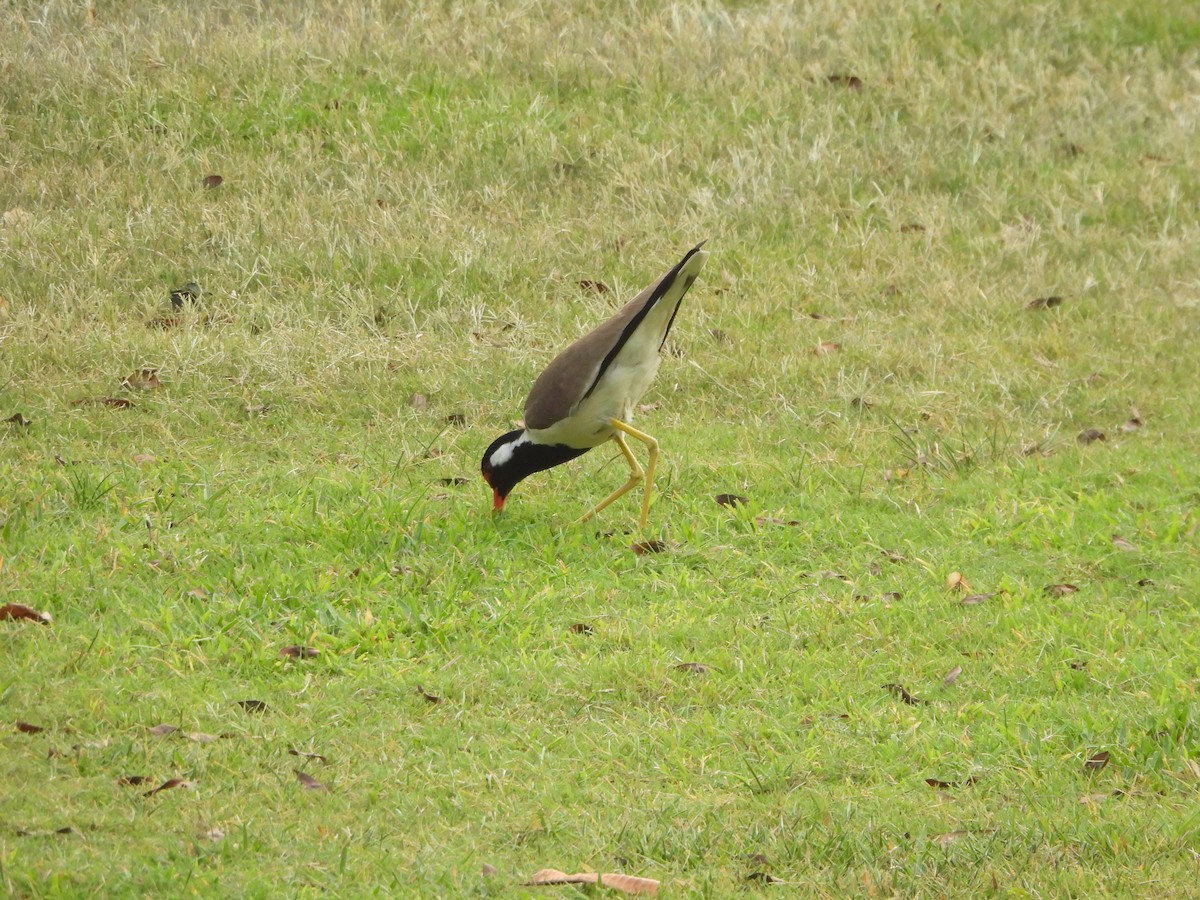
(411, 194)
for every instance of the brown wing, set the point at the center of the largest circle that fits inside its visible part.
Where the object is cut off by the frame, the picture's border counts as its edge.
(572, 374)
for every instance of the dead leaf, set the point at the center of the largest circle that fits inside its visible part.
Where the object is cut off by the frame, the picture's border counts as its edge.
(1044, 302)
(489, 871)
(317, 756)
(890, 596)
(418, 402)
(1096, 761)
(1060, 590)
(1121, 544)
(212, 181)
(694, 667)
(132, 780)
(454, 481)
(162, 730)
(853, 82)
(143, 458)
(26, 728)
(952, 676)
(1078, 664)
(21, 611)
(763, 877)
(295, 651)
(976, 599)
(170, 784)
(900, 691)
(596, 287)
(938, 783)
(189, 293)
(142, 380)
(456, 418)
(426, 696)
(1145, 582)
(254, 706)
(1090, 435)
(719, 335)
(956, 581)
(582, 628)
(212, 833)
(628, 884)
(641, 548)
(19, 420)
(912, 228)
(309, 782)
(730, 499)
(826, 347)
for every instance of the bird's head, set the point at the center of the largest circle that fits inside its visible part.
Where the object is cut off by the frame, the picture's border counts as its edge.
(515, 456)
(499, 467)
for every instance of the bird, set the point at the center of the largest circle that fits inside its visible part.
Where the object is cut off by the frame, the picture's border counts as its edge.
(588, 393)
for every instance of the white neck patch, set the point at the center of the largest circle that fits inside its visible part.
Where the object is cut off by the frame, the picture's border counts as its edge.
(505, 452)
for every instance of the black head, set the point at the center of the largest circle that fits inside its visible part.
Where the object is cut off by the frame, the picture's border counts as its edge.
(515, 456)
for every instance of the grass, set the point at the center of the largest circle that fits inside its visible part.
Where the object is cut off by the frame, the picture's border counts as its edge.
(411, 194)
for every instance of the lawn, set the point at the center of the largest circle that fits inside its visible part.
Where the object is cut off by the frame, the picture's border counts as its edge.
(944, 352)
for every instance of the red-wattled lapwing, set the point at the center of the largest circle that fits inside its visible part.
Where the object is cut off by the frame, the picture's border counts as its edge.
(587, 395)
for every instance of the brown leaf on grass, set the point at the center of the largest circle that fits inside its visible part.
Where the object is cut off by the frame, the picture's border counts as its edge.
(890, 596)
(1145, 582)
(142, 380)
(143, 459)
(1060, 590)
(254, 706)
(902, 692)
(693, 667)
(582, 628)
(317, 756)
(826, 347)
(309, 782)
(938, 783)
(641, 548)
(456, 418)
(1090, 435)
(595, 287)
(626, 884)
(956, 581)
(1078, 664)
(1096, 761)
(912, 228)
(212, 181)
(26, 728)
(19, 420)
(952, 676)
(1045, 302)
(730, 499)
(162, 730)
(132, 780)
(426, 696)
(115, 402)
(295, 651)
(170, 784)
(1121, 544)
(976, 599)
(418, 402)
(211, 833)
(19, 611)
(764, 877)
(489, 871)
(853, 82)
(720, 335)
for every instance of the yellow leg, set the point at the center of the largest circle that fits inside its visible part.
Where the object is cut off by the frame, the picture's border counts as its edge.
(636, 474)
